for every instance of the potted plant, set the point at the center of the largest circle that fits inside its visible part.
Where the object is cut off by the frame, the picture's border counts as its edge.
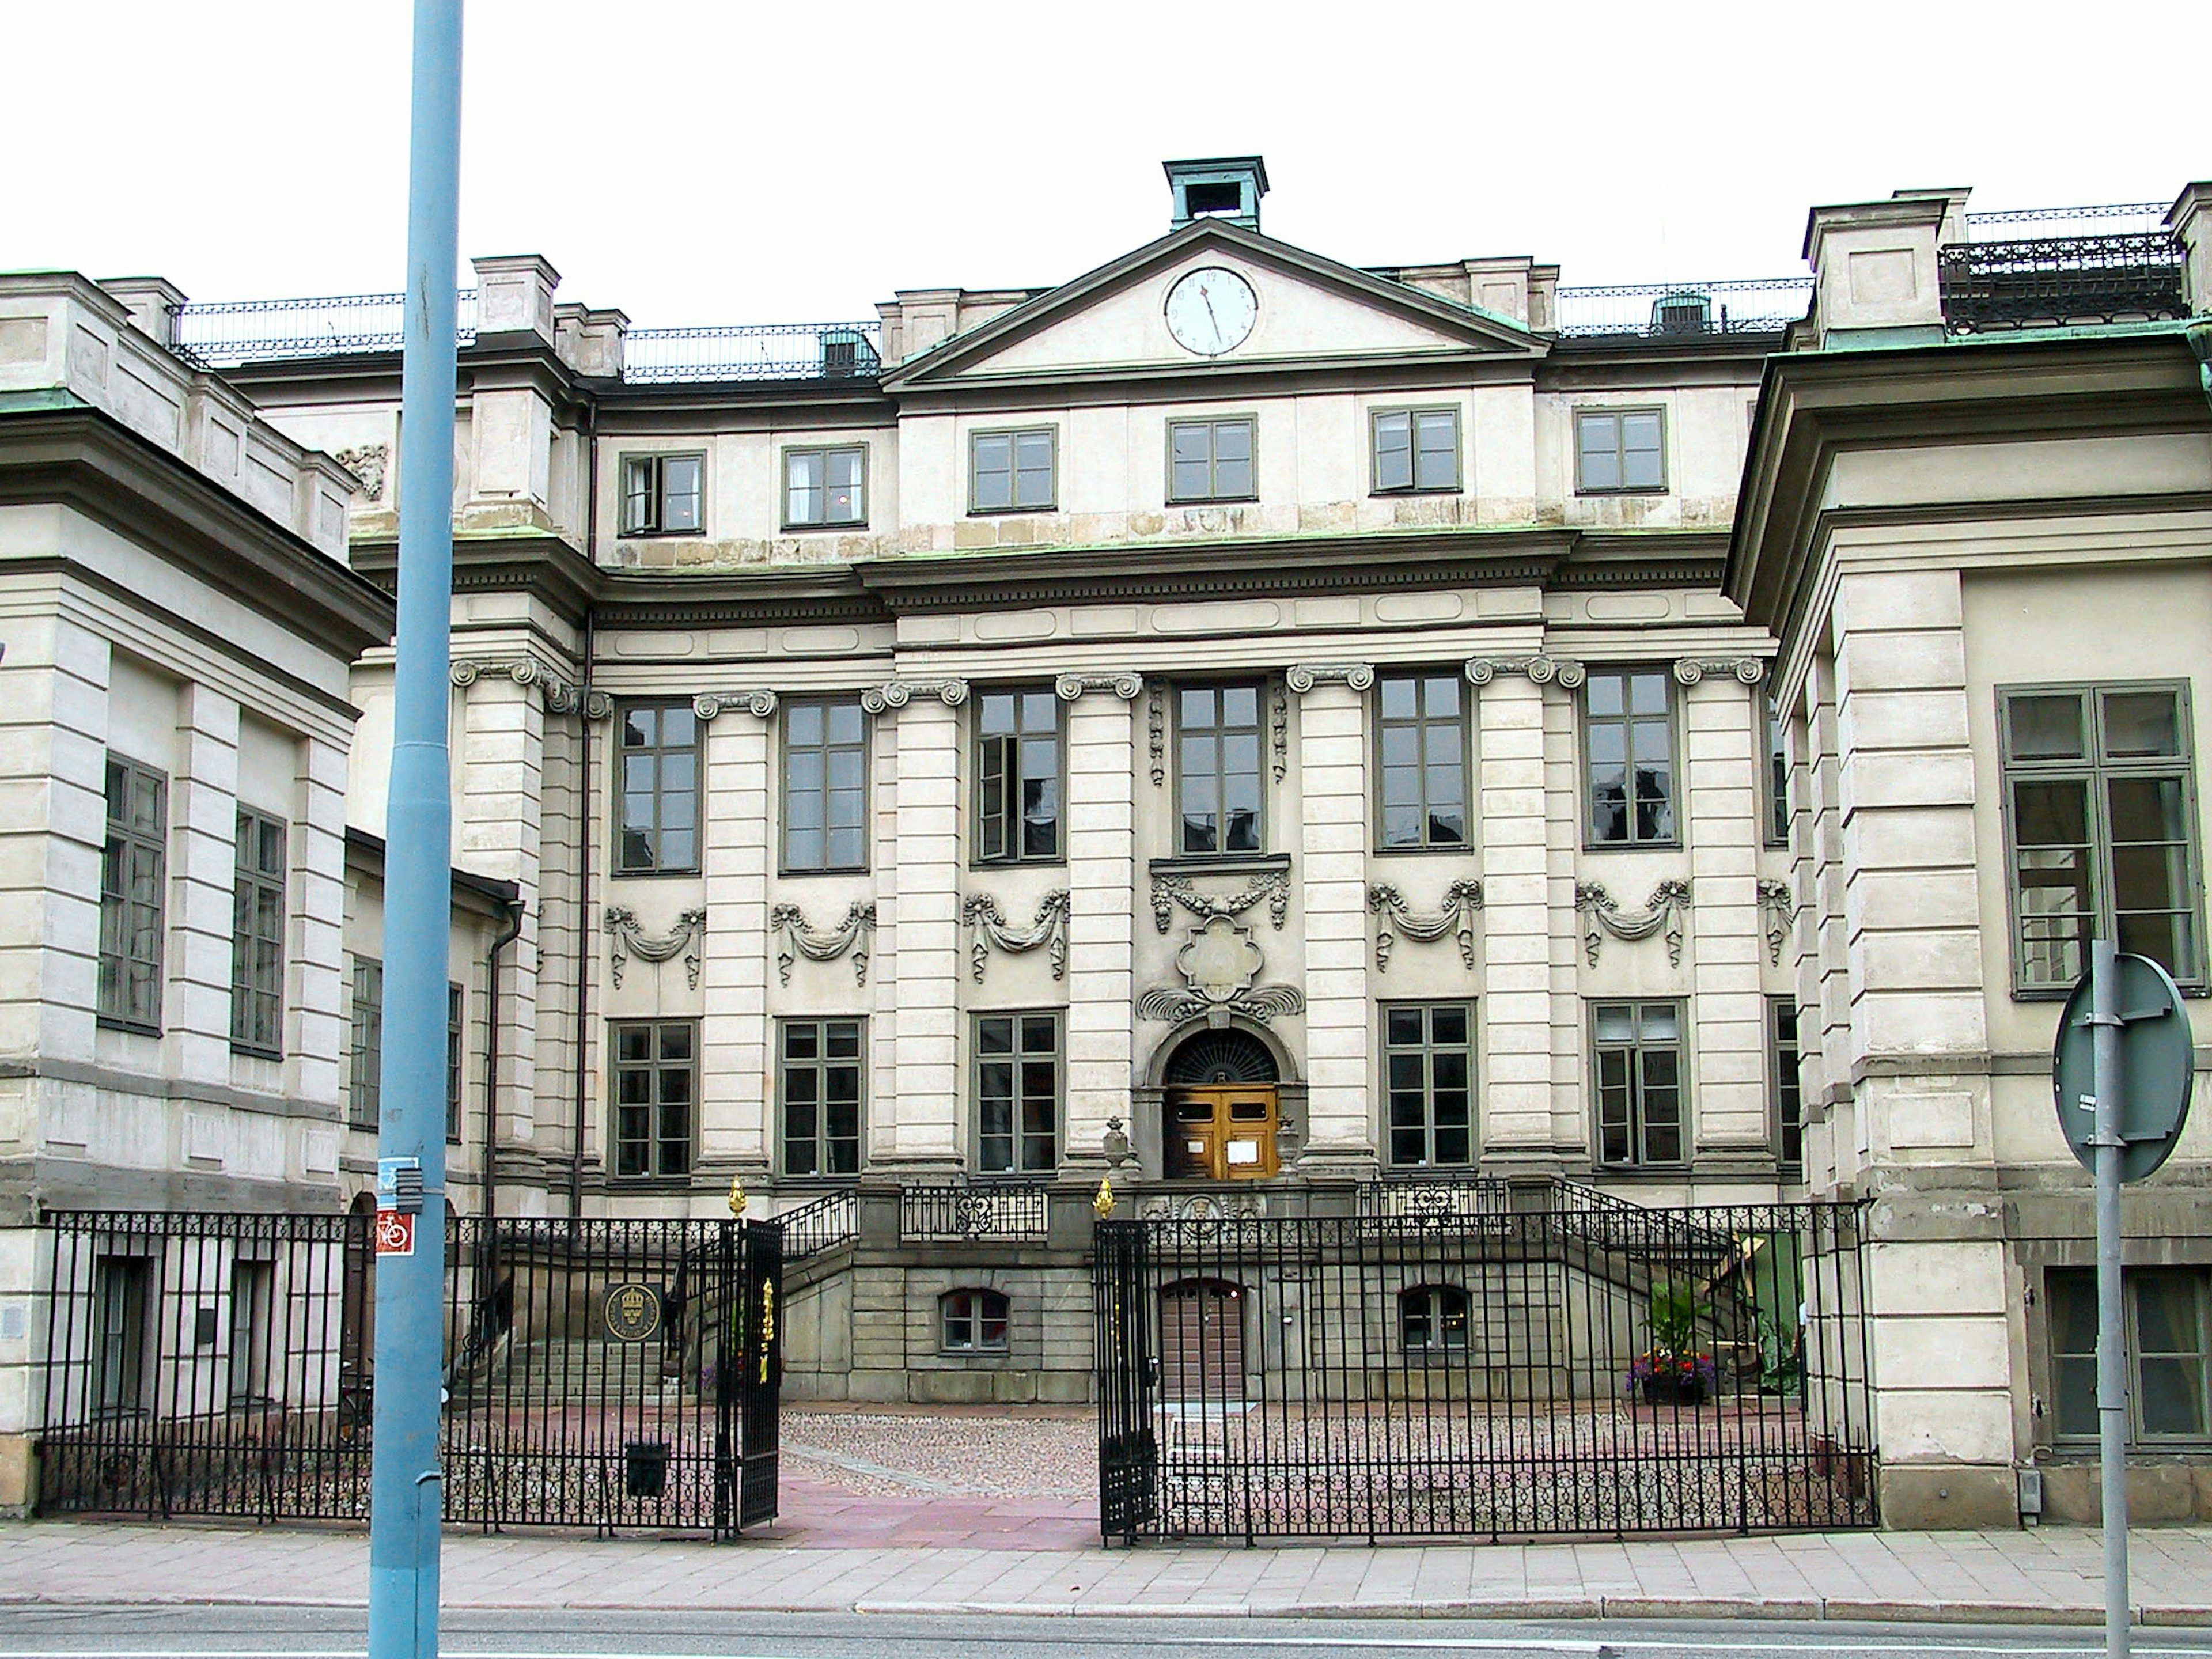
(1674, 1370)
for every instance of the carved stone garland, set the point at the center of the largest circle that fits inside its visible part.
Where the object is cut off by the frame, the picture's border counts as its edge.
(1156, 720)
(1278, 702)
(1669, 909)
(626, 939)
(1780, 909)
(1170, 891)
(845, 938)
(980, 913)
(1388, 905)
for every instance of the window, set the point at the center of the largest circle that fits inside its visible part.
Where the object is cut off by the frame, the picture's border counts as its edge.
(1628, 737)
(1017, 1092)
(660, 494)
(1421, 733)
(1011, 472)
(1218, 771)
(1782, 1068)
(824, 488)
(1619, 452)
(820, 1083)
(118, 1334)
(658, 792)
(253, 1308)
(1432, 1318)
(656, 1081)
(1639, 1082)
(2166, 1311)
(256, 945)
(1210, 460)
(365, 1045)
(1415, 449)
(1428, 1080)
(825, 786)
(973, 1321)
(457, 1008)
(1016, 776)
(1778, 777)
(2101, 809)
(132, 874)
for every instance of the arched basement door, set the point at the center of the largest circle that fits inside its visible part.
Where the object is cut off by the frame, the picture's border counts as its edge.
(1222, 1108)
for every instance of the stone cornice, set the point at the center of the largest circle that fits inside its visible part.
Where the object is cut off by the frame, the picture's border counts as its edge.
(81, 458)
(545, 568)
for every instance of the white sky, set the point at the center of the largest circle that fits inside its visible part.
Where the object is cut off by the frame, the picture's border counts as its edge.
(700, 162)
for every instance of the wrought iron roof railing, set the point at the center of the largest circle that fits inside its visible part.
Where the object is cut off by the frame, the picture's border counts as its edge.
(788, 351)
(1683, 311)
(224, 333)
(2053, 281)
(2102, 218)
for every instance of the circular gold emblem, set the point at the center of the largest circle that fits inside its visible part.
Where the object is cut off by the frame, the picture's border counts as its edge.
(633, 1312)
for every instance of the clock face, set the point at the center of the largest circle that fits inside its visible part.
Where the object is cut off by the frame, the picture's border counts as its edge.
(1210, 311)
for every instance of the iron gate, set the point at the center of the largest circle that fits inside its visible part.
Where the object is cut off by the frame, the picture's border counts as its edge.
(617, 1375)
(1451, 1363)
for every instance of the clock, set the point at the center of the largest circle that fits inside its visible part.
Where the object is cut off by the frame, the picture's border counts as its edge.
(1210, 311)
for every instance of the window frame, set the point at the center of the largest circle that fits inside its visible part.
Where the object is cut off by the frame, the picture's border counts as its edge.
(791, 452)
(1776, 812)
(244, 1039)
(1616, 412)
(1413, 412)
(783, 790)
(2083, 1282)
(1421, 723)
(1428, 1049)
(1785, 1082)
(1437, 1312)
(1638, 1120)
(820, 1065)
(1017, 1058)
(457, 1058)
(1585, 721)
(1013, 434)
(1175, 692)
(656, 1137)
(658, 462)
(120, 838)
(660, 707)
(365, 1044)
(252, 1296)
(977, 857)
(977, 1313)
(1250, 420)
(2098, 772)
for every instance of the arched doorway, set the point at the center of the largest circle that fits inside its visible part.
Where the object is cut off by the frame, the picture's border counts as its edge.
(1221, 1111)
(1202, 1341)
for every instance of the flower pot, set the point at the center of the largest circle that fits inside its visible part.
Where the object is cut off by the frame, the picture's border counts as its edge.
(1674, 1390)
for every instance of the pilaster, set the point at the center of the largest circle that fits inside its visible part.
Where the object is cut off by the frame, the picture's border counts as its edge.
(736, 1067)
(1516, 1094)
(920, 996)
(1721, 801)
(1102, 872)
(1332, 790)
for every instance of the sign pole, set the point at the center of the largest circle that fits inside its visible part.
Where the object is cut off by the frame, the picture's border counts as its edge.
(406, 1493)
(2111, 1335)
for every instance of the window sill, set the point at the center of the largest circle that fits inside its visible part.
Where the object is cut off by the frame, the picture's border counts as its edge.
(1058, 861)
(1012, 512)
(1632, 846)
(662, 1183)
(789, 873)
(275, 1056)
(1649, 490)
(1219, 863)
(693, 871)
(136, 1029)
(1211, 501)
(1417, 490)
(658, 535)
(813, 529)
(1457, 849)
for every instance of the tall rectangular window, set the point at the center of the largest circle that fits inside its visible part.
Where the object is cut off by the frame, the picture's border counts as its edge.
(658, 789)
(1778, 777)
(1619, 452)
(1428, 1083)
(1415, 450)
(2168, 1315)
(825, 488)
(365, 1045)
(1788, 1099)
(1018, 753)
(257, 944)
(132, 873)
(1016, 1093)
(819, 1080)
(1638, 1051)
(119, 1294)
(656, 1077)
(1628, 741)
(1210, 460)
(252, 1321)
(1011, 472)
(2101, 809)
(457, 1007)
(825, 786)
(1421, 733)
(661, 495)
(1217, 768)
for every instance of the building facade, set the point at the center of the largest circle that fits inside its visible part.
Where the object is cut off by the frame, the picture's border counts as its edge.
(1256, 732)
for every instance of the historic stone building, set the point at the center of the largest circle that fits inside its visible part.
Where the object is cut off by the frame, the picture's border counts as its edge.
(1233, 724)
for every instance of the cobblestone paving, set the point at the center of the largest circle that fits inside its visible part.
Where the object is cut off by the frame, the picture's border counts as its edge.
(1009, 1453)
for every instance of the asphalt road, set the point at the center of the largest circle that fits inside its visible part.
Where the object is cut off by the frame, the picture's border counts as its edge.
(188, 1632)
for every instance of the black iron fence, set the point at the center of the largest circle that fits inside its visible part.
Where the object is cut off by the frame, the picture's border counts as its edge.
(1572, 1369)
(614, 1375)
(2052, 281)
(957, 1210)
(820, 1225)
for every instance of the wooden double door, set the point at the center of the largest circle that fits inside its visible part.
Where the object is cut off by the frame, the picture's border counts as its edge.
(1223, 1132)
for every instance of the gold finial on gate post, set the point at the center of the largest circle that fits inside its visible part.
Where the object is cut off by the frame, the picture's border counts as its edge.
(1103, 1206)
(738, 1199)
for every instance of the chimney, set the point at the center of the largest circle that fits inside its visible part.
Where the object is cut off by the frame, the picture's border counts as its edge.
(1219, 187)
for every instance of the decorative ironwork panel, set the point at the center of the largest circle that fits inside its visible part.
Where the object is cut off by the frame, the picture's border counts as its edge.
(2055, 280)
(957, 1210)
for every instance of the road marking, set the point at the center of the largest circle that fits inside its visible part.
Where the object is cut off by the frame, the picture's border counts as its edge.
(1533, 1646)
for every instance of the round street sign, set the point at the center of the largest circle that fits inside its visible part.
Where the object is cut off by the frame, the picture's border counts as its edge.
(2157, 1068)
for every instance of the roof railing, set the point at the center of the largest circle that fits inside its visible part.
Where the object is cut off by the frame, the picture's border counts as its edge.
(1683, 311)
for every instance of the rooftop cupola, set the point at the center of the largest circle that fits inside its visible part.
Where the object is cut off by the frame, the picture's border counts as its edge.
(1218, 187)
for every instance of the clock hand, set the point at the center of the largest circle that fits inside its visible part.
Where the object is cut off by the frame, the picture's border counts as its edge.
(1218, 332)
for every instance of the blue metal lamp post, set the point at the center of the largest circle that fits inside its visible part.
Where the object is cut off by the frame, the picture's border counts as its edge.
(406, 1492)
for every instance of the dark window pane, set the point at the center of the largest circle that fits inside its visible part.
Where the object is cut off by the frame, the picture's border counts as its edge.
(2045, 727)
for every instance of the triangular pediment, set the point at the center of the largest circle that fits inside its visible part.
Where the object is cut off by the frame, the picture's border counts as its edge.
(1309, 310)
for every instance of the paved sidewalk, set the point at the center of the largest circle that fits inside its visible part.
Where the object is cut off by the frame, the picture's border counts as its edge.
(2050, 1576)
